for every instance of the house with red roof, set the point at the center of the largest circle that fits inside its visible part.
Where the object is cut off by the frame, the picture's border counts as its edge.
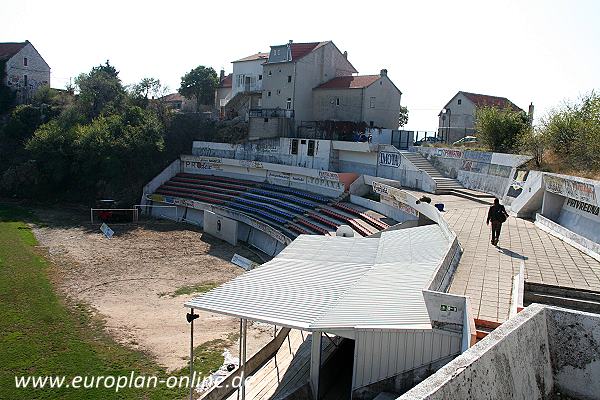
(457, 118)
(223, 91)
(23, 69)
(373, 99)
(290, 73)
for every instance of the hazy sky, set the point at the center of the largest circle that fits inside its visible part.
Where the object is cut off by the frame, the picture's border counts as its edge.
(540, 51)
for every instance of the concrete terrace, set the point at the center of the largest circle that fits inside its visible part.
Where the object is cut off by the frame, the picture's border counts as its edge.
(485, 272)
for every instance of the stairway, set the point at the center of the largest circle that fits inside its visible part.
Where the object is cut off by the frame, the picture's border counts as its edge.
(443, 185)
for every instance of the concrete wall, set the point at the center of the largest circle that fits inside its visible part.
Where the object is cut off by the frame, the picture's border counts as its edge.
(534, 355)
(37, 71)
(483, 171)
(173, 169)
(349, 108)
(513, 362)
(220, 227)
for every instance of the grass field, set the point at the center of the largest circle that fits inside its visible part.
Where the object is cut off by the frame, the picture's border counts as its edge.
(41, 334)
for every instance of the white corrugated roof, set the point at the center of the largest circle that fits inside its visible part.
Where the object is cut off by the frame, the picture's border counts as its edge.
(325, 282)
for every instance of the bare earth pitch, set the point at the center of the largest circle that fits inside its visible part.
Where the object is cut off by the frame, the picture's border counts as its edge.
(130, 281)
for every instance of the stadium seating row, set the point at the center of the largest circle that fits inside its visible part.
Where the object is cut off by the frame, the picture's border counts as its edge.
(291, 210)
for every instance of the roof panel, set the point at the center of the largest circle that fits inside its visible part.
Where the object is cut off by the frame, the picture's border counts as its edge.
(321, 282)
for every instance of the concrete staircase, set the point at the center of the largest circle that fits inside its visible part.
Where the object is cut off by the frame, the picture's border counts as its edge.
(445, 185)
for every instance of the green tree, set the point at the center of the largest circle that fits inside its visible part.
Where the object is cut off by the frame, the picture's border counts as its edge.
(403, 118)
(7, 96)
(200, 84)
(145, 89)
(100, 91)
(501, 130)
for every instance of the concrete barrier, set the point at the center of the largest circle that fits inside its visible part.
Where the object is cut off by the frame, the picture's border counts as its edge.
(226, 387)
(540, 352)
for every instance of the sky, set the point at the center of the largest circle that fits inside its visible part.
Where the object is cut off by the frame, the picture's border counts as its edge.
(543, 52)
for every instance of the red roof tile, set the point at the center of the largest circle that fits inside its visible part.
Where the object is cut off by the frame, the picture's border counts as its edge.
(300, 50)
(349, 82)
(253, 57)
(483, 100)
(226, 82)
(7, 50)
(172, 97)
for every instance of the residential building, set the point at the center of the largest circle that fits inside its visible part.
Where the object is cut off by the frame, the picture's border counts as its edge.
(223, 92)
(24, 69)
(373, 99)
(290, 74)
(246, 86)
(457, 118)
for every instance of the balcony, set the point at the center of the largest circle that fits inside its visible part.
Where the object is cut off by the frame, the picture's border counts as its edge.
(271, 113)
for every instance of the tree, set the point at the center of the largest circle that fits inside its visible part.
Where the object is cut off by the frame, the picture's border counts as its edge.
(7, 96)
(403, 119)
(100, 90)
(147, 88)
(200, 84)
(501, 130)
(534, 143)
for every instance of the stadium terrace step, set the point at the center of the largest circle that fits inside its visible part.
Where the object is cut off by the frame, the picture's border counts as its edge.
(444, 185)
(314, 226)
(380, 225)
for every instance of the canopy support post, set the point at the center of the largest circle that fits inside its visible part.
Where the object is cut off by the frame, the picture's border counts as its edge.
(243, 357)
(190, 317)
(315, 363)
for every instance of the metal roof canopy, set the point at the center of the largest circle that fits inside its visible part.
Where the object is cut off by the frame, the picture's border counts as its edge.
(326, 283)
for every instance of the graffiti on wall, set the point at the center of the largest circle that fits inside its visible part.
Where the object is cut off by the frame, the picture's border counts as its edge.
(502, 171)
(389, 159)
(449, 153)
(577, 190)
(474, 166)
(480, 156)
(516, 187)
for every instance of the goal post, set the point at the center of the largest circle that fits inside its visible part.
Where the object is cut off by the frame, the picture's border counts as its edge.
(113, 215)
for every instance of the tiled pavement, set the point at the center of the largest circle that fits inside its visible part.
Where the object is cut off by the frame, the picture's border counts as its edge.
(485, 272)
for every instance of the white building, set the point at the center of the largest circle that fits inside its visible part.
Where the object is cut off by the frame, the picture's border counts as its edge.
(457, 118)
(25, 71)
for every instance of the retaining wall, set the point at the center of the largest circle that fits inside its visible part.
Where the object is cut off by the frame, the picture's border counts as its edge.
(534, 355)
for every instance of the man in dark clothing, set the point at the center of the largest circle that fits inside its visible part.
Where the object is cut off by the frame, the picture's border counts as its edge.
(497, 214)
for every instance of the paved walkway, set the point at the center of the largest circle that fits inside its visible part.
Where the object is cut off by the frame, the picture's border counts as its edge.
(485, 272)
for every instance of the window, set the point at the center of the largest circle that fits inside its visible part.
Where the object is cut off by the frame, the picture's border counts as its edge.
(289, 78)
(25, 83)
(294, 146)
(270, 72)
(269, 93)
(288, 104)
(371, 124)
(311, 148)
(25, 61)
(278, 91)
(372, 102)
(266, 119)
(459, 101)
(337, 101)
(303, 142)
(260, 77)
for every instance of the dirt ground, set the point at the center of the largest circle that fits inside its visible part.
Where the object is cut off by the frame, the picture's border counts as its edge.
(129, 280)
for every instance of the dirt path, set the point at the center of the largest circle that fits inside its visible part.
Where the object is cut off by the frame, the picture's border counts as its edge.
(130, 278)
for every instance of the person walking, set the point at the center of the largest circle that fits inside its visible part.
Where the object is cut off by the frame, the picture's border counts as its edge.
(497, 215)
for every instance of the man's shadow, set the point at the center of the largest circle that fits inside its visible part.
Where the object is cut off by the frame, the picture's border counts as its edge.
(511, 253)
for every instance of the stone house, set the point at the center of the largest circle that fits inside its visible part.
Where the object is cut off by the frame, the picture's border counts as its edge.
(457, 118)
(290, 74)
(373, 99)
(24, 70)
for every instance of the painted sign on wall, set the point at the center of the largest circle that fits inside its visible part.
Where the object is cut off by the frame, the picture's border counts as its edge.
(577, 190)
(330, 176)
(389, 159)
(390, 201)
(582, 208)
(449, 153)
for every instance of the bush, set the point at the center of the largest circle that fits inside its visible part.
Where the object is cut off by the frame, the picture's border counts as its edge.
(501, 130)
